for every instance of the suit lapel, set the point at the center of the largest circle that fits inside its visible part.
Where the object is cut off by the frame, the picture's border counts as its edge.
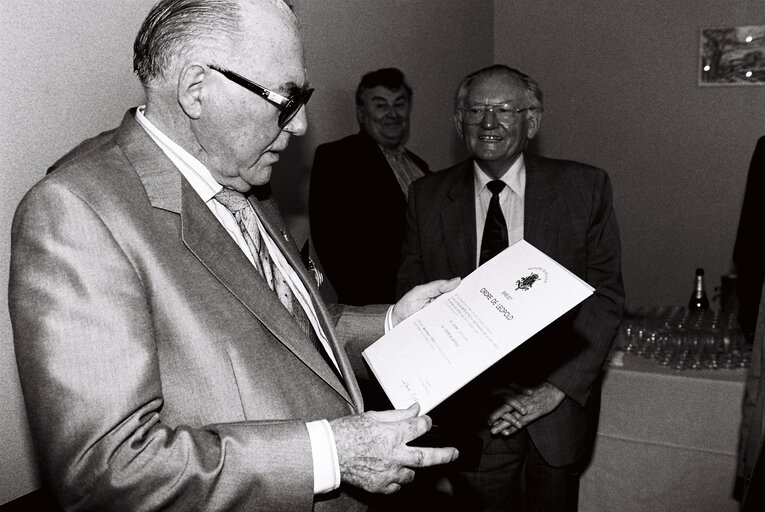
(269, 215)
(458, 220)
(539, 228)
(204, 236)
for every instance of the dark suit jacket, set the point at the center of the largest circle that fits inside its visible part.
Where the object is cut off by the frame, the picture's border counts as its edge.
(748, 252)
(357, 212)
(749, 258)
(750, 470)
(158, 369)
(568, 215)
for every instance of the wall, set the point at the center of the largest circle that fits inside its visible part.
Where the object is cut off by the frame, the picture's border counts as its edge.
(67, 75)
(620, 84)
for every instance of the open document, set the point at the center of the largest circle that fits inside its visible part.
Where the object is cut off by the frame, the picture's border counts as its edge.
(442, 347)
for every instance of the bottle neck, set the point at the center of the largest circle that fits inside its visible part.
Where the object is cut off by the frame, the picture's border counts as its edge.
(698, 300)
(699, 288)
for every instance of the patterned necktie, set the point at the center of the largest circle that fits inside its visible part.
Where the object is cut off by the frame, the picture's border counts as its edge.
(404, 169)
(495, 230)
(238, 205)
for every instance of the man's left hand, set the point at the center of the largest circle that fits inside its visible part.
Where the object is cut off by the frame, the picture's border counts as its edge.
(420, 296)
(522, 406)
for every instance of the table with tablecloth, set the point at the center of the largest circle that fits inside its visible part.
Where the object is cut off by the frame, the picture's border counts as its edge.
(667, 439)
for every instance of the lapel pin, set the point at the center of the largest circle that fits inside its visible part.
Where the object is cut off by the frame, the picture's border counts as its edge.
(310, 265)
(316, 272)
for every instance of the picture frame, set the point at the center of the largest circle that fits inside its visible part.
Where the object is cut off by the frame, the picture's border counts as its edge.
(732, 56)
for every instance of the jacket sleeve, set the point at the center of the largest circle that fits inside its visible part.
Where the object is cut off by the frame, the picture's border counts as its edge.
(597, 319)
(412, 270)
(90, 375)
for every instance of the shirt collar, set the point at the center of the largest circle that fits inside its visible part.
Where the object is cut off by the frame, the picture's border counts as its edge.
(195, 172)
(397, 151)
(515, 177)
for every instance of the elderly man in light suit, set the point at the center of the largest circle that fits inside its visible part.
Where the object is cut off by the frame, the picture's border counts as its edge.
(160, 370)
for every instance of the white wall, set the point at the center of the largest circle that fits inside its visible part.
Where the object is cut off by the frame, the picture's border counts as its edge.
(67, 76)
(620, 84)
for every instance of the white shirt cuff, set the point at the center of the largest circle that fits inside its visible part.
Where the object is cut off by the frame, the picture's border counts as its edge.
(326, 467)
(389, 319)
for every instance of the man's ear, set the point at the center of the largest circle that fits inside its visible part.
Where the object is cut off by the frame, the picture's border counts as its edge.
(534, 121)
(360, 114)
(458, 123)
(191, 82)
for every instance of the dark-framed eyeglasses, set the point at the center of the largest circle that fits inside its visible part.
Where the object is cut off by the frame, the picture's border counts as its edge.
(506, 113)
(288, 106)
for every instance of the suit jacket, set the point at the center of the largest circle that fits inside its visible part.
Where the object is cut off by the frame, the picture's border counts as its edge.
(568, 215)
(358, 216)
(748, 254)
(158, 369)
(751, 446)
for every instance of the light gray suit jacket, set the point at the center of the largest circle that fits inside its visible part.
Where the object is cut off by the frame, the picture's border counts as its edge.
(158, 369)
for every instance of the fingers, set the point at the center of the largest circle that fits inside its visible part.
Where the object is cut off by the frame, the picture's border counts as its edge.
(418, 457)
(429, 291)
(504, 428)
(497, 414)
(507, 425)
(394, 415)
(403, 476)
(511, 405)
(445, 286)
(511, 418)
(391, 488)
(518, 407)
(410, 425)
(521, 389)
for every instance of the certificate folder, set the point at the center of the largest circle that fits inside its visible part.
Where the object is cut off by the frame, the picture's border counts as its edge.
(436, 351)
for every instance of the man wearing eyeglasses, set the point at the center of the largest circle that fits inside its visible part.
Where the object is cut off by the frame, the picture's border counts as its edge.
(357, 200)
(174, 353)
(536, 410)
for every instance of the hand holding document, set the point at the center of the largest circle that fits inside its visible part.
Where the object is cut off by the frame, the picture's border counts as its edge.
(439, 349)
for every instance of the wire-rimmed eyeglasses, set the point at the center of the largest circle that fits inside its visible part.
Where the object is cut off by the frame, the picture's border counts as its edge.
(288, 106)
(506, 113)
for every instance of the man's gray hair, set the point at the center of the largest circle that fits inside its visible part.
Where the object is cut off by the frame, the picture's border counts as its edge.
(532, 87)
(174, 28)
(177, 27)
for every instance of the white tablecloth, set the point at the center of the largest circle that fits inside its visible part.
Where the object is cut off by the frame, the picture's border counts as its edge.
(667, 440)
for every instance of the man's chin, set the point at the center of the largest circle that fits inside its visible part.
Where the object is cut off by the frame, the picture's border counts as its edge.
(257, 177)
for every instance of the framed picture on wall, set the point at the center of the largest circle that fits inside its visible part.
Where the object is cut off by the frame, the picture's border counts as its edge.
(732, 56)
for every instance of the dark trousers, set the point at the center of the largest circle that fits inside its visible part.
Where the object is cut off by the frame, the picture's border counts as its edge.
(513, 476)
(754, 499)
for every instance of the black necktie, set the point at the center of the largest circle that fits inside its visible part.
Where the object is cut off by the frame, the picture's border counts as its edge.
(495, 230)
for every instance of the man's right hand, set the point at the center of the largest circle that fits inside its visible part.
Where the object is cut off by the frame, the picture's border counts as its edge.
(372, 450)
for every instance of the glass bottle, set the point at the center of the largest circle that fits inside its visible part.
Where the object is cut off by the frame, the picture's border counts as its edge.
(698, 300)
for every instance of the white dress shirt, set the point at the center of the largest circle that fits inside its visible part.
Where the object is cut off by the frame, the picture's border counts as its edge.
(511, 201)
(323, 447)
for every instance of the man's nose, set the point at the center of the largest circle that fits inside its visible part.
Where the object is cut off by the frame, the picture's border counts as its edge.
(489, 118)
(392, 111)
(298, 125)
